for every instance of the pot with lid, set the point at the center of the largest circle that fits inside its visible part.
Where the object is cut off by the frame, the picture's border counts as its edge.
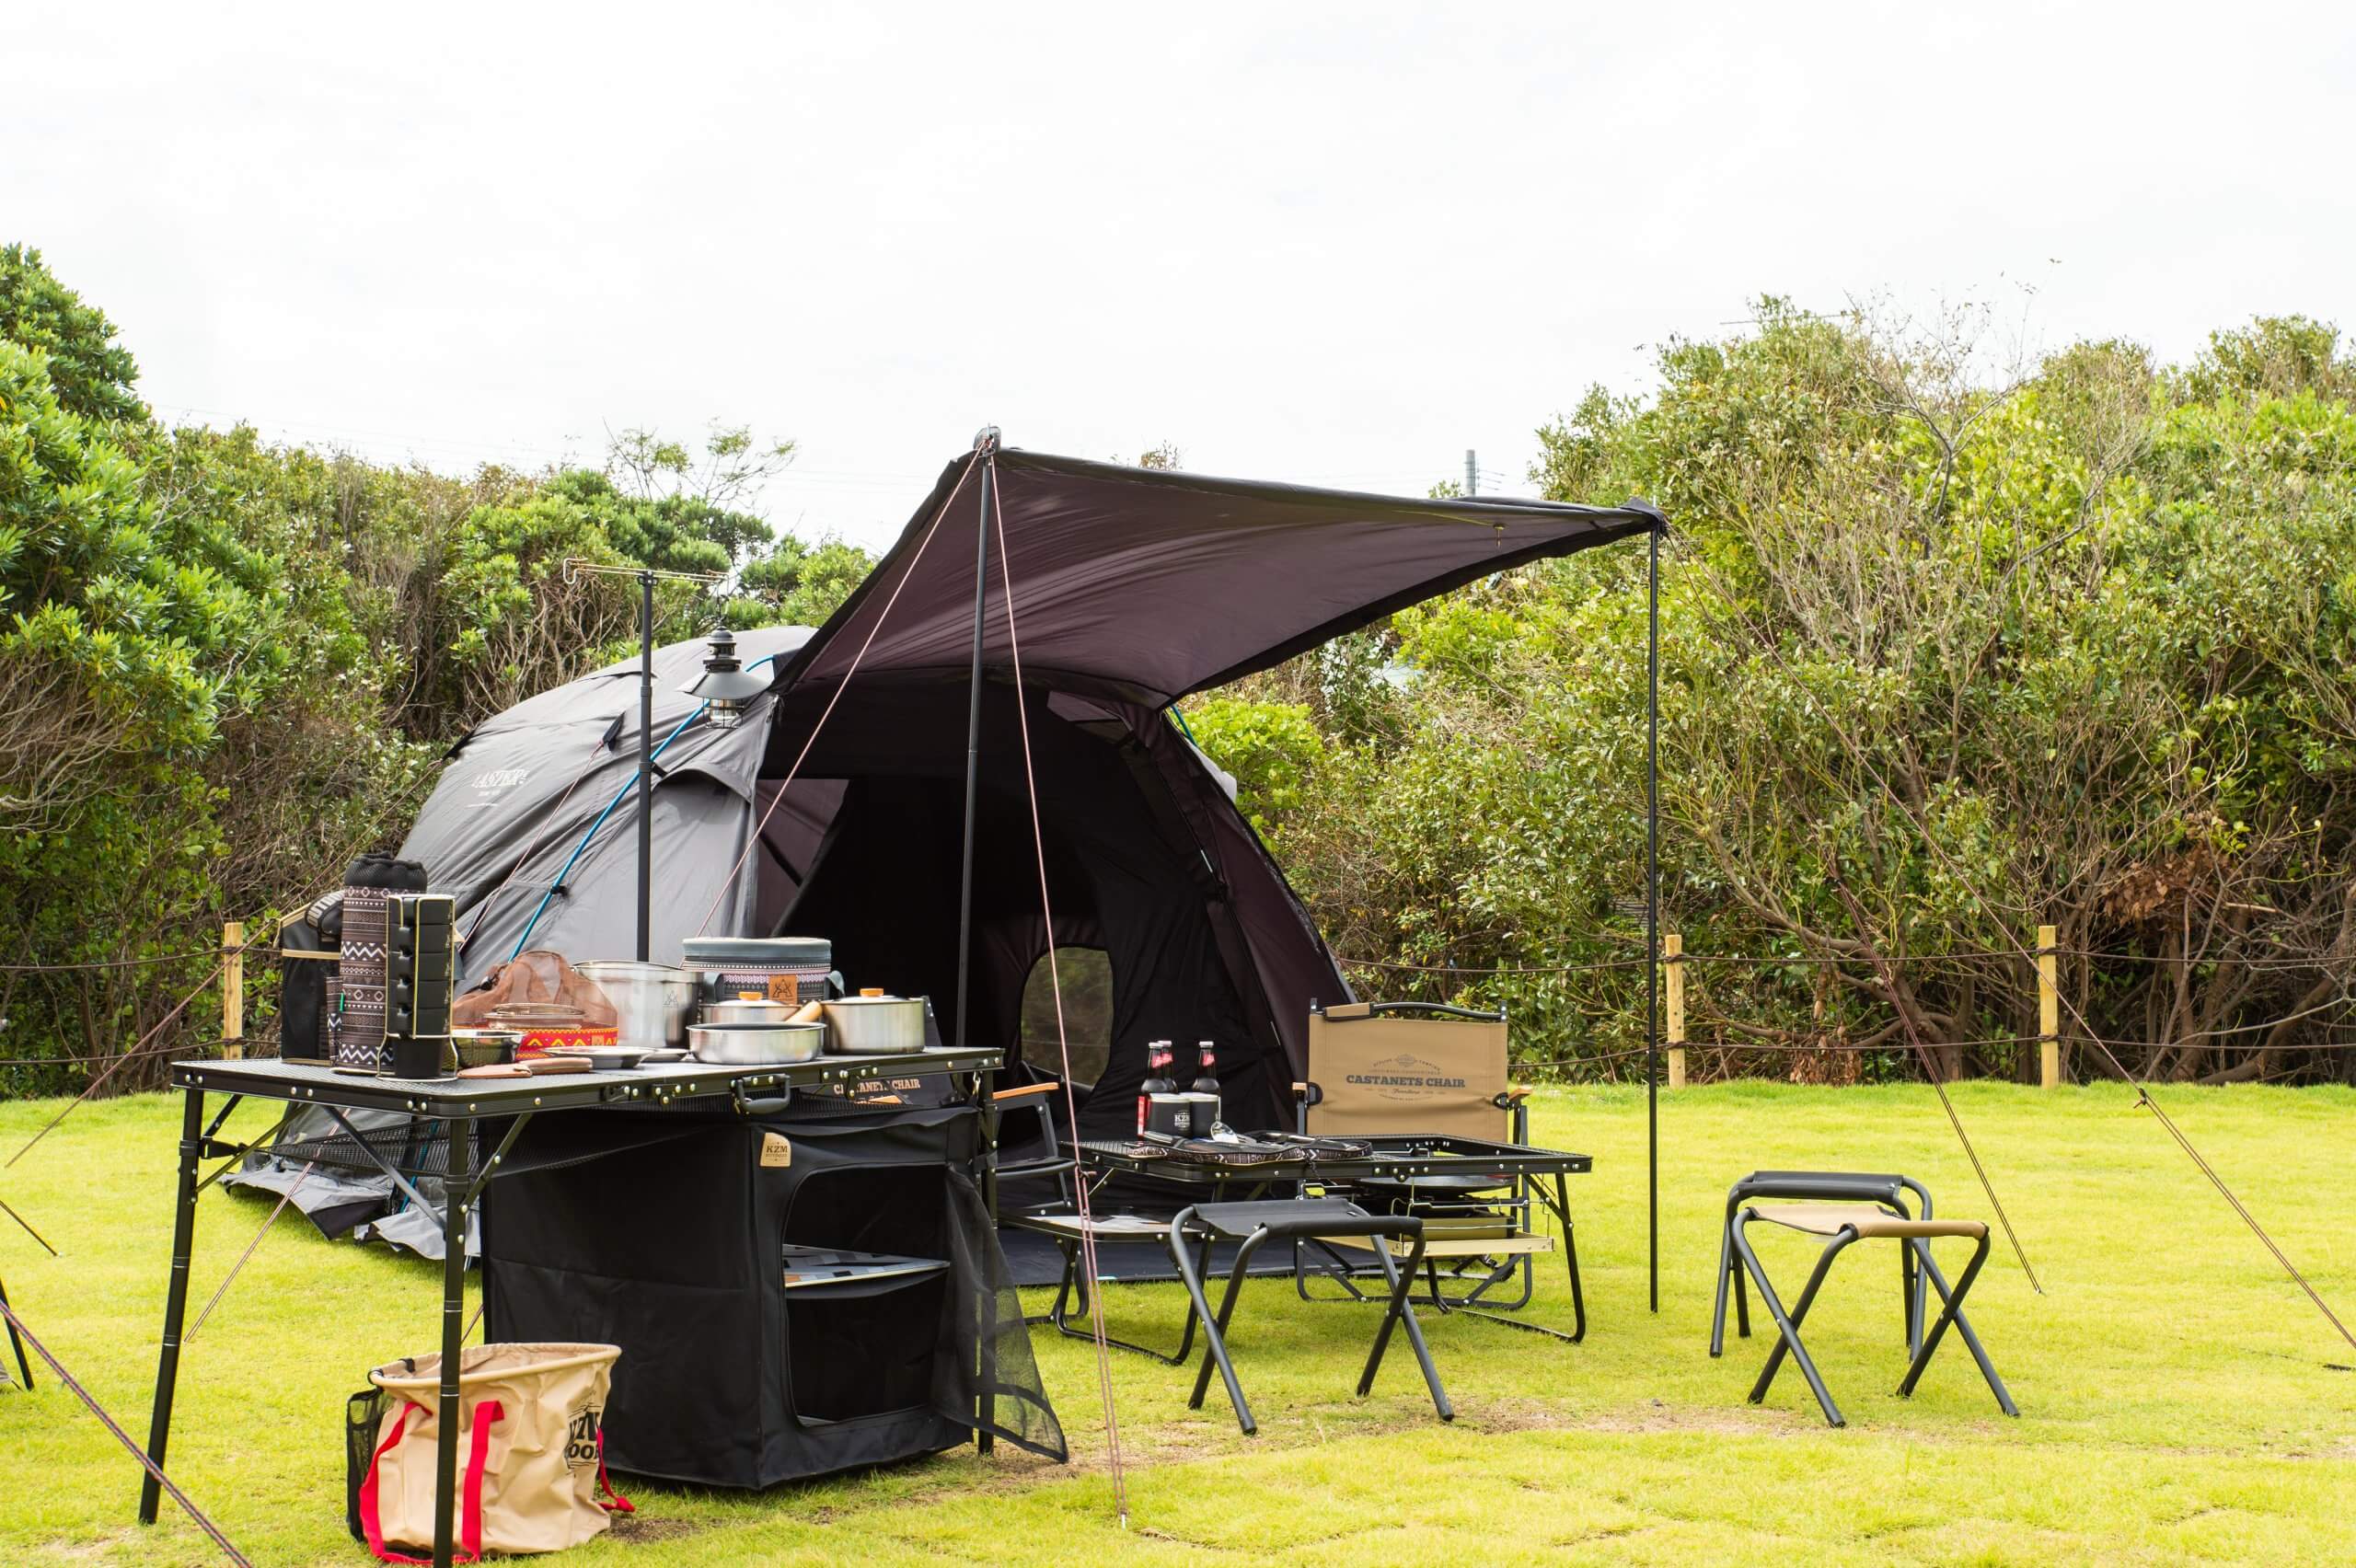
(873, 1023)
(785, 969)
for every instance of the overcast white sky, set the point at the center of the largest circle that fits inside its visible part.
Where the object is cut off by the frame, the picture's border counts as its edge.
(1337, 243)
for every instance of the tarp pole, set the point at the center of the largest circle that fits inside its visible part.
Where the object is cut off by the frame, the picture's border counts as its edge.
(985, 443)
(1652, 908)
(645, 764)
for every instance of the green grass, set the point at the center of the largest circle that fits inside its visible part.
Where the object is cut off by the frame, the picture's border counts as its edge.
(2182, 1401)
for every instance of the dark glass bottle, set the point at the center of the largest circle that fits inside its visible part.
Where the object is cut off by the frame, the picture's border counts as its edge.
(1207, 1081)
(1157, 1059)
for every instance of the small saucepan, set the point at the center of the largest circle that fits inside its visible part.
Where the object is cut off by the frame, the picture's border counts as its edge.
(874, 1024)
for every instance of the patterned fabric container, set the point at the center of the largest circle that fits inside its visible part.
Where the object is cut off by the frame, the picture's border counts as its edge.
(358, 994)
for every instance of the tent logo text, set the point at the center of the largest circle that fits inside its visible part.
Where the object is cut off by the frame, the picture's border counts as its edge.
(500, 777)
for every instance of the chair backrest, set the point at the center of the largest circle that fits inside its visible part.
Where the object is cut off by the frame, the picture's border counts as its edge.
(1377, 1073)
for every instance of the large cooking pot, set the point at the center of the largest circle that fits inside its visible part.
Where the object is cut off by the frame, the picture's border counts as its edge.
(651, 1000)
(757, 1045)
(872, 1024)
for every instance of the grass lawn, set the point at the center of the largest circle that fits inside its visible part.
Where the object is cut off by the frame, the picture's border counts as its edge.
(2181, 1401)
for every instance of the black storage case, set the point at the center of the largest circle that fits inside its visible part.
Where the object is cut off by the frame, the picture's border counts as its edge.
(663, 1233)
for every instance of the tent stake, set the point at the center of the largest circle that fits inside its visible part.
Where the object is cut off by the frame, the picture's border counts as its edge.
(985, 443)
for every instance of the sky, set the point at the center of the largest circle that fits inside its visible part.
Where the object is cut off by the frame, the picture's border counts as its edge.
(1332, 244)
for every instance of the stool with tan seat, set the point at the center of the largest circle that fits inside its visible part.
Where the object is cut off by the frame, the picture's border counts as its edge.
(1874, 1210)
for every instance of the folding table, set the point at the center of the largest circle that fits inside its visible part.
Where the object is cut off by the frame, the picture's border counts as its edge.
(462, 1106)
(1393, 1156)
(1293, 1219)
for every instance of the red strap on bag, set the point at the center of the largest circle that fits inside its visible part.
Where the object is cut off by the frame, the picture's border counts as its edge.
(620, 1504)
(486, 1415)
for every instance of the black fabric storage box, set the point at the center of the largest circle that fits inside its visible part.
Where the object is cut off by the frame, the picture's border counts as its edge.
(670, 1245)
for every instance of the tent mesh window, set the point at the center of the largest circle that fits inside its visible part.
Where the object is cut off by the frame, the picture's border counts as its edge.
(1087, 974)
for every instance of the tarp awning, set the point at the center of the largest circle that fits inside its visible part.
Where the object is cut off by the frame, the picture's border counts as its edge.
(1154, 583)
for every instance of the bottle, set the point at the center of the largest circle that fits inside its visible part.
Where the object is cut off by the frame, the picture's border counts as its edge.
(1158, 1058)
(1206, 1082)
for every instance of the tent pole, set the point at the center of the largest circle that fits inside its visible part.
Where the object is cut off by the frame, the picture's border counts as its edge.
(645, 763)
(1652, 908)
(985, 443)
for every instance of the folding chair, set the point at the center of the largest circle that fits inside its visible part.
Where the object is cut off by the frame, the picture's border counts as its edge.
(1879, 1216)
(1373, 1071)
(1047, 1157)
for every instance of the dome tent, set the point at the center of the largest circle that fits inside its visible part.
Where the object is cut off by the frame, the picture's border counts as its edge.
(1132, 588)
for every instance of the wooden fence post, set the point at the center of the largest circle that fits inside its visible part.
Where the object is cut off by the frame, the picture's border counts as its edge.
(1672, 947)
(2048, 1013)
(233, 991)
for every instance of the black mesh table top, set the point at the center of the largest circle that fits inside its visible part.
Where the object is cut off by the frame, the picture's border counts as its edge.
(645, 1088)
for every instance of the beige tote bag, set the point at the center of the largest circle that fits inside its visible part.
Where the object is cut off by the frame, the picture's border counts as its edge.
(531, 1451)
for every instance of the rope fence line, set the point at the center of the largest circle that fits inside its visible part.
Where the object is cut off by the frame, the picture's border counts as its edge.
(1765, 960)
(256, 946)
(1775, 961)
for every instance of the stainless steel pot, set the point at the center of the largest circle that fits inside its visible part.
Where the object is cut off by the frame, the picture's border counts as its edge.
(757, 1045)
(874, 1024)
(749, 1010)
(651, 1000)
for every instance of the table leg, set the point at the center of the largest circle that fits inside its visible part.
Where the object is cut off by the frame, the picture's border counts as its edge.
(455, 1181)
(986, 1085)
(168, 1360)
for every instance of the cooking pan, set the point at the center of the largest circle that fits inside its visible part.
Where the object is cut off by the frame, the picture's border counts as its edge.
(757, 1045)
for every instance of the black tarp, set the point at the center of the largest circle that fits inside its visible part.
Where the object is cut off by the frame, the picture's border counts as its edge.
(1132, 588)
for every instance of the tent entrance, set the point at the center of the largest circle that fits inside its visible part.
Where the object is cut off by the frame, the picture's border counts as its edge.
(876, 875)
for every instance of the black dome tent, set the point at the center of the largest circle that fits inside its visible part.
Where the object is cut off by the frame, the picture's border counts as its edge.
(1132, 589)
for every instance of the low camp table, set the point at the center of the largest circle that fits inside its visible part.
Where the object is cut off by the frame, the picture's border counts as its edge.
(461, 1106)
(1393, 1156)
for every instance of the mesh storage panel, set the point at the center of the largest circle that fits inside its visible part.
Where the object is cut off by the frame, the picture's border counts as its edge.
(364, 1415)
(985, 1374)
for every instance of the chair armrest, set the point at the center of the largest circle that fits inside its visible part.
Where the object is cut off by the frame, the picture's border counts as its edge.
(1517, 1091)
(1023, 1092)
